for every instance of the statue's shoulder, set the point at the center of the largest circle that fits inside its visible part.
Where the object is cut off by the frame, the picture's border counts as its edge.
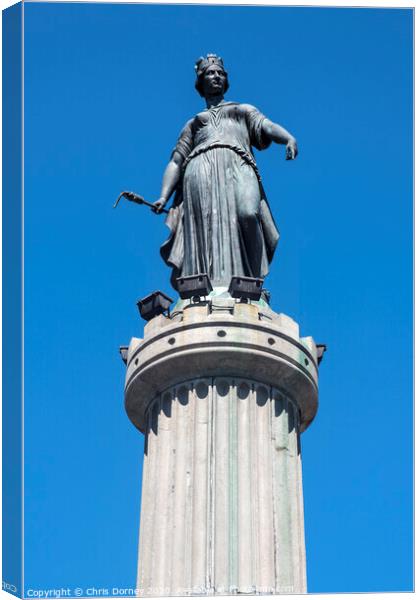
(247, 108)
(187, 129)
(189, 123)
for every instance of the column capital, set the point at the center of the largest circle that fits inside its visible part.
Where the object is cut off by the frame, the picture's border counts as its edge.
(221, 337)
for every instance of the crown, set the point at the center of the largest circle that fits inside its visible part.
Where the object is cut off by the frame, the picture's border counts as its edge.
(203, 64)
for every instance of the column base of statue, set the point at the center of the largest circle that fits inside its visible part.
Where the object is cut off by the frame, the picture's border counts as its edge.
(222, 391)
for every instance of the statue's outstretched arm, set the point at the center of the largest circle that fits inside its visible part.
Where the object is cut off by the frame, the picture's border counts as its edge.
(279, 135)
(170, 179)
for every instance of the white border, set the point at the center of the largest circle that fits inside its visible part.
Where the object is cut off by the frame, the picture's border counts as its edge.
(292, 3)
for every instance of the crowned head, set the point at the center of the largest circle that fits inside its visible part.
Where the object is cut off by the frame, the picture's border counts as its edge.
(210, 65)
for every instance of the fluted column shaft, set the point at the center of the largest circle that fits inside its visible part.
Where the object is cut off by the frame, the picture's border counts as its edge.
(222, 505)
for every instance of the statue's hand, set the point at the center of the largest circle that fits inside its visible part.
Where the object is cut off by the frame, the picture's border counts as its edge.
(159, 205)
(291, 150)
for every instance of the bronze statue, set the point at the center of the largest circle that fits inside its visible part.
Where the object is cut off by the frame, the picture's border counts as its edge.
(220, 221)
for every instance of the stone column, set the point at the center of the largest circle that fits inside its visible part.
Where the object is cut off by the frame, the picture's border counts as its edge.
(222, 391)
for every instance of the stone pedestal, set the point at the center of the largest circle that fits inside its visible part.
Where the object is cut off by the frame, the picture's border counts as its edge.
(222, 391)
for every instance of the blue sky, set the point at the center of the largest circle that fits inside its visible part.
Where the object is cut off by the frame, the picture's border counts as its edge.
(107, 90)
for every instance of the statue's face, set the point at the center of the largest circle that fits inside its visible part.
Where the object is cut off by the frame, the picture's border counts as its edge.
(214, 81)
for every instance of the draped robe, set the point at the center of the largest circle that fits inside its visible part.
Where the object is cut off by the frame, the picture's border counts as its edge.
(220, 222)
